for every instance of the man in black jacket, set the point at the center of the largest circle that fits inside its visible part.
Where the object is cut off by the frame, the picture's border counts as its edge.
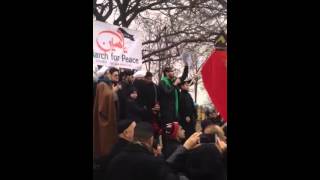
(137, 162)
(188, 112)
(126, 133)
(126, 80)
(169, 95)
(147, 95)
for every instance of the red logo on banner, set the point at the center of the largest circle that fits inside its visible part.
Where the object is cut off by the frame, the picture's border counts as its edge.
(110, 41)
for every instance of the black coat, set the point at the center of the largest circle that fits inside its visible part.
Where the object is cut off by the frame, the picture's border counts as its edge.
(170, 146)
(135, 111)
(101, 172)
(117, 148)
(123, 94)
(187, 108)
(205, 162)
(147, 96)
(202, 163)
(167, 100)
(137, 163)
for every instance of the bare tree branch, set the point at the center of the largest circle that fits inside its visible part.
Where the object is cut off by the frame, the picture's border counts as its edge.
(223, 3)
(161, 59)
(195, 40)
(99, 15)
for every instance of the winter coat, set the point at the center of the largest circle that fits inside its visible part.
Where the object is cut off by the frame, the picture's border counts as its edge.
(123, 94)
(170, 147)
(135, 162)
(135, 111)
(100, 173)
(104, 119)
(187, 109)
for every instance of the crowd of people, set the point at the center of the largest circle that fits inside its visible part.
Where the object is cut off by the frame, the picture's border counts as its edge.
(143, 130)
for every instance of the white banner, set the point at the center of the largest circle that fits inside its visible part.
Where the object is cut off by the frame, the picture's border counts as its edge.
(116, 46)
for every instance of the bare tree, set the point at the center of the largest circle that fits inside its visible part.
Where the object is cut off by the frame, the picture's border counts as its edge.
(170, 26)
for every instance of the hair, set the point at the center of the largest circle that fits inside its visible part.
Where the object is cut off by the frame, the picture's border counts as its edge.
(143, 131)
(210, 110)
(183, 83)
(205, 162)
(106, 72)
(148, 74)
(166, 69)
(113, 69)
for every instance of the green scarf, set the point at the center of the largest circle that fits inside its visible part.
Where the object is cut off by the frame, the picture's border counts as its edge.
(168, 82)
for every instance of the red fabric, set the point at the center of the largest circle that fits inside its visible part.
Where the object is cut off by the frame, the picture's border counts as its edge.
(214, 75)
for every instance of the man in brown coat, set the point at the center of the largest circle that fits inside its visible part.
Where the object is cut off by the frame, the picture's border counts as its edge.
(105, 114)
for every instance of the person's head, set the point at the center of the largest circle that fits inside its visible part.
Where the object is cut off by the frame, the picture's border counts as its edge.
(184, 85)
(133, 93)
(139, 74)
(175, 131)
(204, 162)
(126, 129)
(207, 126)
(143, 133)
(148, 76)
(130, 79)
(127, 76)
(114, 74)
(168, 72)
(211, 113)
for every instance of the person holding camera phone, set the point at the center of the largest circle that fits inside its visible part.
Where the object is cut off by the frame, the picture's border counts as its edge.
(174, 134)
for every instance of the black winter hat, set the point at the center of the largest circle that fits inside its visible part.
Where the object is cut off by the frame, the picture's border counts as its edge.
(205, 123)
(184, 82)
(143, 130)
(148, 74)
(123, 124)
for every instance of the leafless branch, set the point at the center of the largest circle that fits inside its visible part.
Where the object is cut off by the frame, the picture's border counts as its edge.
(196, 40)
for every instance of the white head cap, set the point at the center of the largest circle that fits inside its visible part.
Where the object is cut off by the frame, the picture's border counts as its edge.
(139, 74)
(101, 71)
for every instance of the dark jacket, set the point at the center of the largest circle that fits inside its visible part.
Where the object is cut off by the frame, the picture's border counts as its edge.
(147, 96)
(123, 94)
(202, 163)
(187, 108)
(167, 100)
(135, 111)
(100, 173)
(137, 163)
(140, 84)
(117, 148)
(170, 147)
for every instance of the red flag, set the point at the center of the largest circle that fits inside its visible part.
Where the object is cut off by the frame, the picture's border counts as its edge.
(214, 75)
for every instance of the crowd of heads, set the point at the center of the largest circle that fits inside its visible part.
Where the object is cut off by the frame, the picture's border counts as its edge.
(200, 161)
